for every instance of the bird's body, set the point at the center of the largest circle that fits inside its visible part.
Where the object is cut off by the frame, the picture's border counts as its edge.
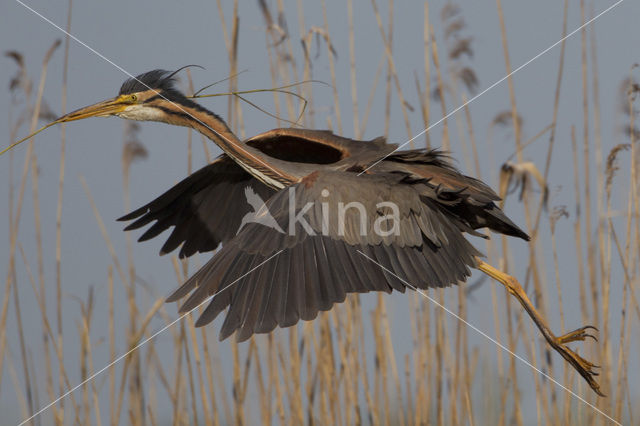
(353, 216)
(428, 251)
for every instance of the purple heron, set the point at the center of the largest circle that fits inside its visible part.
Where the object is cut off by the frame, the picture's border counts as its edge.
(266, 277)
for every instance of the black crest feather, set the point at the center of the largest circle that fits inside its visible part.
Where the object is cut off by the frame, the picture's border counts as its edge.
(160, 80)
(163, 82)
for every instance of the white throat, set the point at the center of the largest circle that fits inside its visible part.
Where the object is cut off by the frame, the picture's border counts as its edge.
(141, 113)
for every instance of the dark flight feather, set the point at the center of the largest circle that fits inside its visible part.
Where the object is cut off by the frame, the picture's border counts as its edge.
(437, 204)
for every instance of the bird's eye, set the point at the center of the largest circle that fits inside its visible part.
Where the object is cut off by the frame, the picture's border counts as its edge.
(134, 97)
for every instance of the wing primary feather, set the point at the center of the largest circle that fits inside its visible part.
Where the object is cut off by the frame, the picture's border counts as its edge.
(268, 313)
(240, 294)
(377, 276)
(396, 267)
(382, 259)
(199, 277)
(325, 278)
(294, 308)
(134, 214)
(224, 292)
(310, 299)
(353, 281)
(255, 297)
(156, 229)
(341, 281)
(281, 296)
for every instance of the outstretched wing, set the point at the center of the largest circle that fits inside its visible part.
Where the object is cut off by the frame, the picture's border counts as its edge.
(268, 278)
(469, 199)
(205, 209)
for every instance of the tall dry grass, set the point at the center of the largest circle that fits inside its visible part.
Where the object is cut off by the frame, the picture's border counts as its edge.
(343, 368)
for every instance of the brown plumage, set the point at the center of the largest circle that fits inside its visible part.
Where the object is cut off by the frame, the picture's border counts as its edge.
(437, 205)
(271, 271)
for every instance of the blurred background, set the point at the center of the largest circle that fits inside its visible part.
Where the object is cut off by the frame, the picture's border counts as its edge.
(77, 295)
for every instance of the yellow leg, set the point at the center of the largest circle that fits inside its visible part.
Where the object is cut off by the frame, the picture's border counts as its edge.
(582, 366)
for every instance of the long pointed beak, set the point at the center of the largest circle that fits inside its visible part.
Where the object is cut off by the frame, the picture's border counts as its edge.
(101, 109)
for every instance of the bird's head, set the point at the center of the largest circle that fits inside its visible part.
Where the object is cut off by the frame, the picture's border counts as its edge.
(151, 96)
(145, 97)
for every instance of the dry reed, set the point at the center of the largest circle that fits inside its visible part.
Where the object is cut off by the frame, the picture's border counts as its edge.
(344, 367)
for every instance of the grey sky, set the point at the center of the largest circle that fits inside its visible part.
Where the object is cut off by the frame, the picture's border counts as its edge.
(140, 36)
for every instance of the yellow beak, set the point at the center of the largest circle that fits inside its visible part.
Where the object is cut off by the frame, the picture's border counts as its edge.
(101, 109)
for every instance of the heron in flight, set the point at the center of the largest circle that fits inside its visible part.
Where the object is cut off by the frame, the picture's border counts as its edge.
(268, 278)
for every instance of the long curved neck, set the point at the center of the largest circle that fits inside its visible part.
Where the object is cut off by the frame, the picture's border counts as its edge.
(258, 164)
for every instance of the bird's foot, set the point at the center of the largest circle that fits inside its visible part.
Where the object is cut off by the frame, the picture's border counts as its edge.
(578, 335)
(585, 368)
